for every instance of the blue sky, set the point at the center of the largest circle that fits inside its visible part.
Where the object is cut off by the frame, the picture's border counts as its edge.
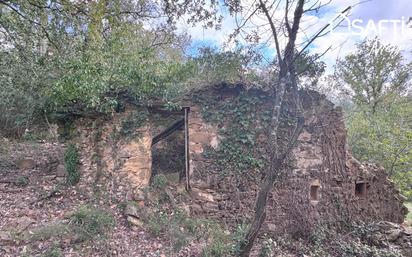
(368, 13)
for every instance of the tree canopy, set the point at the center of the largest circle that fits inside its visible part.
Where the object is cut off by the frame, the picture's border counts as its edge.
(374, 73)
(377, 80)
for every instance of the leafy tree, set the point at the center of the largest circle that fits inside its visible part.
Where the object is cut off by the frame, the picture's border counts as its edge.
(374, 73)
(379, 118)
(213, 67)
(61, 56)
(385, 138)
(123, 63)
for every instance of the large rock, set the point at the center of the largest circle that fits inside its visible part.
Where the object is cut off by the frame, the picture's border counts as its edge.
(394, 235)
(133, 212)
(134, 221)
(201, 195)
(25, 164)
(5, 238)
(60, 171)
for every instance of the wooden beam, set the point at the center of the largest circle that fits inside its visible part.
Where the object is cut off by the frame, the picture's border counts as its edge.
(187, 156)
(167, 132)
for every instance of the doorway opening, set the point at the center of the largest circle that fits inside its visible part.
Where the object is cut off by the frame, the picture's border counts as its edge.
(170, 147)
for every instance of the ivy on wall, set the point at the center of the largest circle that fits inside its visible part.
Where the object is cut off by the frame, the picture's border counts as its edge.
(242, 121)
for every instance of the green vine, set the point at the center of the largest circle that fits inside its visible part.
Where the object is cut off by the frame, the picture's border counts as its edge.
(129, 125)
(241, 119)
(71, 163)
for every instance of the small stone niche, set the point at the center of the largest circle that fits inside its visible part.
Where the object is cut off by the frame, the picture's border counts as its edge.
(360, 189)
(314, 191)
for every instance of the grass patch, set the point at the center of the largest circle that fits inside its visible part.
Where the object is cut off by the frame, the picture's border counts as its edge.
(71, 163)
(180, 229)
(22, 181)
(91, 223)
(159, 182)
(165, 214)
(85, 224)
(163, 217)
(222, 243)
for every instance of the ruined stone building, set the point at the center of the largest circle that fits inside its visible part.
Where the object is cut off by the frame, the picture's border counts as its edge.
(223, 129)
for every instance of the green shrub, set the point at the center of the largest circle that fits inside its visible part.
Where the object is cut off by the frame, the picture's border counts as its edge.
(224, 243)
(238, 237)
(158, 222)
(71, 163)
(159, 181)
(179, 237)
(22, 181)
(219, 246)
(165, 219)
(267, 248)
(180, 229)
(90, 223)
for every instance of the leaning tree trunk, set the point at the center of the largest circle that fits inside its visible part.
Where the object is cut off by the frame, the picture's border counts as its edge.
(286, 82)
(272, 173)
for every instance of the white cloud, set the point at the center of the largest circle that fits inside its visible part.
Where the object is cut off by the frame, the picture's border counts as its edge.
(369, 13)
(341, 45)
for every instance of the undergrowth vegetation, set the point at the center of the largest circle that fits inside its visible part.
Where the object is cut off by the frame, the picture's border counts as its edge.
(91, 223)
(181, 229)
(164, 216)
(409, 215)
(328, 242)
(54, 251)
(86, 224)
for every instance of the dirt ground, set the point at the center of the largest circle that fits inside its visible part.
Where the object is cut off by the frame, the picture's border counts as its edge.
(37, 207)
(35, 203)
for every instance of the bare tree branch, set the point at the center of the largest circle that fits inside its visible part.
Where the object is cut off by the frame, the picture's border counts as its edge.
(289, 29)
(322, 30)
(274, 31)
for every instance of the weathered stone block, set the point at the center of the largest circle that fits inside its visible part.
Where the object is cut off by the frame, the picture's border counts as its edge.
(24, 164)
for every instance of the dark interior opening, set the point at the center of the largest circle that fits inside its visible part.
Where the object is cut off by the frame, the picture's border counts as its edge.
(168, 149)
(360, 189)
(314, 193)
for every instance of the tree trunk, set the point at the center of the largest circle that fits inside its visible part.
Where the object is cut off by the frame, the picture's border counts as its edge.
(286, 74)
(273, 172)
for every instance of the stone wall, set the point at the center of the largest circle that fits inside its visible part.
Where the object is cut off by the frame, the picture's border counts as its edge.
(201, 135)
(115, 153)
(325, 185)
